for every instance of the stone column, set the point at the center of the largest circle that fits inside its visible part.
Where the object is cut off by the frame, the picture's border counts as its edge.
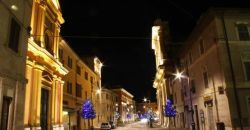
(38, 24)
(35, 96)
(61, 104)
(57, 103)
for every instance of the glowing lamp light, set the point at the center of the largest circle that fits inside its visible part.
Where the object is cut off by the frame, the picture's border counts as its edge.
(14, 7)
(65, 113)
(178, 75)
(98, 91)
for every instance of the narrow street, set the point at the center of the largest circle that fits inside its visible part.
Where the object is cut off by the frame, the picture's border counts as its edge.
(143, 126)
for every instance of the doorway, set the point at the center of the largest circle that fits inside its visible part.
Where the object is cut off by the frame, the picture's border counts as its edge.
(5, 112)
(44, 109)
(210, 118)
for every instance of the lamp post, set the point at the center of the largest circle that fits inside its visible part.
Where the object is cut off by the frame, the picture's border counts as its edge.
(150, 112)
(179, 76)
(147, 100)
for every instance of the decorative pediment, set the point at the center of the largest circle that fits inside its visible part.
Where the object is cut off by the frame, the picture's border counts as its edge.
(47, 76)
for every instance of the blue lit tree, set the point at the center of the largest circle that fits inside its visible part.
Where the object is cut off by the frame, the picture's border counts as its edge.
(88, 111)
(169, 110)
(128, 116)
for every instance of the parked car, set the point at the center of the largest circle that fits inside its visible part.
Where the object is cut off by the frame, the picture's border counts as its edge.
(105, 126)
(112, 124)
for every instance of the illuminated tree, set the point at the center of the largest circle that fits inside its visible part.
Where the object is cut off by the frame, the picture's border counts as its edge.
(169, 110)
(88, 111)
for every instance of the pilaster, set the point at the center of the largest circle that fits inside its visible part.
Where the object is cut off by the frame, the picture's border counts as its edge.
(36, 95)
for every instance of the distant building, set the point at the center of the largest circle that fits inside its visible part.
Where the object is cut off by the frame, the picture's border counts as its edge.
(15, 22)
(144, 107)
(109, 101)
(125, 105)
(81, 83)
(216, 63)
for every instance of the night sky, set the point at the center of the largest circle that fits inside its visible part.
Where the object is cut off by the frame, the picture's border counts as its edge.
(119, 33)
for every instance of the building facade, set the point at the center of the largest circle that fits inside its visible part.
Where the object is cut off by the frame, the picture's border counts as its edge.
(109, 101)
(125, 105)
(81, 83)
(215, 90)
(143, 107)
(160, 39)
(44, 71)
(14, 34)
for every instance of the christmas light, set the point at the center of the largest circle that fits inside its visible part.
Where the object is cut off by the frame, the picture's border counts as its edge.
(169, 110)
(88, 111)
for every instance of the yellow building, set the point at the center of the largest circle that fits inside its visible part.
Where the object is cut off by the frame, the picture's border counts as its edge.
(81, 83)
(44, 90)
(160, 35)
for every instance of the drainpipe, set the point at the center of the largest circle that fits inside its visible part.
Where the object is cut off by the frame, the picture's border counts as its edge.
(238, 108)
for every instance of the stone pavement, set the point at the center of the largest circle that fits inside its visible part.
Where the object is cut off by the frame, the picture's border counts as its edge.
(159, 127)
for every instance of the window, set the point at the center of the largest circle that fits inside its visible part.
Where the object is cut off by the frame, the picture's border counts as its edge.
(221, 90)
(201, 46)
(193, 86)
(205, 79)
(175, 98)
(78, 90)
(48, 38)
(69, 62)
(78, 70)
(48, 43)
(249, 102)
(86, 75)
(60, 53)
(14, 35)
(243, 32)
(69, 87)
(86, 95)
(247, 70)
(190, 58)
(91, 79)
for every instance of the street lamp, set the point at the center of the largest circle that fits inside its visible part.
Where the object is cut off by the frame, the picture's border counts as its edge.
(179, 75)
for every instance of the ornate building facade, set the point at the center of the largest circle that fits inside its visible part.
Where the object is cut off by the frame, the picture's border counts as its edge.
(44, 90)
(160, 38)
(14, 33)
